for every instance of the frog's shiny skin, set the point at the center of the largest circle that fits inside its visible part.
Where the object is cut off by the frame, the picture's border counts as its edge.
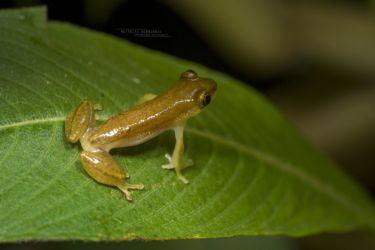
(156, 114)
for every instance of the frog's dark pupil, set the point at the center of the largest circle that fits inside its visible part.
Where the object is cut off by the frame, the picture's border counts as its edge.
(206, 100)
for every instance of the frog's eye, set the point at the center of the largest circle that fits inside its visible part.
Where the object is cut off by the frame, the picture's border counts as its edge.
(205, 99)
(189, 75)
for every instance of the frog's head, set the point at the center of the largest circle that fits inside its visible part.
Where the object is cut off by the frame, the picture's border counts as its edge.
(201, 90)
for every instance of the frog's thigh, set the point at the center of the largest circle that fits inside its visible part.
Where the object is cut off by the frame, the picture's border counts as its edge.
(77, 122)
(104, 169)
(146, 97)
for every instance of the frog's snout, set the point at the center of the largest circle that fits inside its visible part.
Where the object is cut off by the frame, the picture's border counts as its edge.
(211, 87)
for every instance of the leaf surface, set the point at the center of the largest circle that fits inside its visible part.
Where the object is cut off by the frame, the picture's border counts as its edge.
(253, 173)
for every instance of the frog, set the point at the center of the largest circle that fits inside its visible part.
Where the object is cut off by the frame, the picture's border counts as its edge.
(151, 116)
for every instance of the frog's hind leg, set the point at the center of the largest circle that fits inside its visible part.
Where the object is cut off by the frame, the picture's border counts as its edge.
(104, 169)
(79, 121)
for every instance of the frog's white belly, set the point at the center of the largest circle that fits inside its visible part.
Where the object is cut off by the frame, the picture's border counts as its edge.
(128, 142)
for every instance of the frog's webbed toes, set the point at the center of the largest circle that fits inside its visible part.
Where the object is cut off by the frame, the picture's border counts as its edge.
(125, 189)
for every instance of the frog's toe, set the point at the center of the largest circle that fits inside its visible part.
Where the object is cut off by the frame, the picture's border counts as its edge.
(170, 164)
(97, 107)
(125, 189)
(182, 178)
(169, 157)
(167, 166)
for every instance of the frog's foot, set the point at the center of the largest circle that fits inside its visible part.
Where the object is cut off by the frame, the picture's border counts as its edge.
(125, 189)
(172, 165)
(97, 107)
(169, 165)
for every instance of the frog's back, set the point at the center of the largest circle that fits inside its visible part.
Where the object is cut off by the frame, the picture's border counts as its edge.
(137, 125)
(172, 108)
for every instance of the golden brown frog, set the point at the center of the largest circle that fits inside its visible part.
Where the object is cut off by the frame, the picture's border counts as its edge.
(156, 114)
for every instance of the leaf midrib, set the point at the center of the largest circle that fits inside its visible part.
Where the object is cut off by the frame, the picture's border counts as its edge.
(260, 155)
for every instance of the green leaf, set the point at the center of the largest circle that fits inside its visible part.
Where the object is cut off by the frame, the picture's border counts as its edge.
(253, 173)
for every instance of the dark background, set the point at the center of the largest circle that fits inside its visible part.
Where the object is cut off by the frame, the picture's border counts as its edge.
(315, 60)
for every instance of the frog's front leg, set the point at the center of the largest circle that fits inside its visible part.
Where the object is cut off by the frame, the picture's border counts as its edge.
(176, 160)
(104, 169)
